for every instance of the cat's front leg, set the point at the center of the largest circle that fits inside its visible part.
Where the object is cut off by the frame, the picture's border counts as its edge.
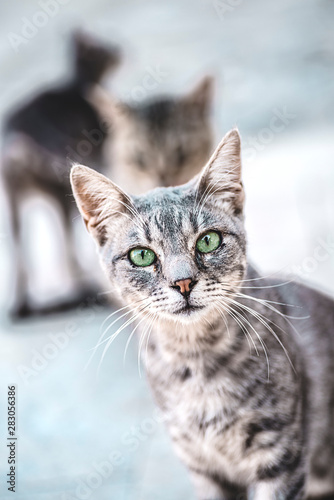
(209, 488)
(290, 487)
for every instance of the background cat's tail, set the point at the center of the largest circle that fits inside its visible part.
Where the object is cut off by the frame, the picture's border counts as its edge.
(92, 58)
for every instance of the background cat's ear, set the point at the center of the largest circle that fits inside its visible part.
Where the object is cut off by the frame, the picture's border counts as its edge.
(113, 112)
(98, 200)
(220, 180)
(200, 98)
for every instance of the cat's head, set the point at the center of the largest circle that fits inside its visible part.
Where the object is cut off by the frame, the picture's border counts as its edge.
(92, 58)
(161, 142)
(173, 252)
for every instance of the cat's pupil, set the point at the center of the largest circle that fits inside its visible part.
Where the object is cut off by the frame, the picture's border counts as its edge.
(207, 240)
(142, 253)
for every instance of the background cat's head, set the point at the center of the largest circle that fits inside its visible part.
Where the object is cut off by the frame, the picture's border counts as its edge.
(172, 252)
(162, 142)
(92, 58)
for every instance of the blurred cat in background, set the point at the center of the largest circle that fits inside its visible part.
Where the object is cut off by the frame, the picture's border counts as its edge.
(43, 137)
(160, 142)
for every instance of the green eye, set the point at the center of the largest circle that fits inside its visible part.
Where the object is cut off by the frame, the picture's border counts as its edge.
(142, 257)
(208, 243)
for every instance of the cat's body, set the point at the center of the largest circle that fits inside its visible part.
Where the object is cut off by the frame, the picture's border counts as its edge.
(42, 139)
(246, 390)
(232, 426)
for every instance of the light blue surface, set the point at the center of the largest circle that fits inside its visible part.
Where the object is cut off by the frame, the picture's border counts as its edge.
(75, 428)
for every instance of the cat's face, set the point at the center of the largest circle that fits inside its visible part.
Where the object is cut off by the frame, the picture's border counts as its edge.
(173, 252)
(163, 142)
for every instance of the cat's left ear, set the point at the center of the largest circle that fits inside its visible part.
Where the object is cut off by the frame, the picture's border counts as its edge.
(200, 98)
(115, 114)
(220, 180)
(99, 201)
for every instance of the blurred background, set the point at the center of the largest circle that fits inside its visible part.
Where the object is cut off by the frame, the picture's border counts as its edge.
(84, 436)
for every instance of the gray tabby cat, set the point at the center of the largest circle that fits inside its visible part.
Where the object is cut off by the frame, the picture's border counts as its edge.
(161, 142)
(247, 392)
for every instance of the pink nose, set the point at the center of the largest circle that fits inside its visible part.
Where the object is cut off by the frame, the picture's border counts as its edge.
(184, 285)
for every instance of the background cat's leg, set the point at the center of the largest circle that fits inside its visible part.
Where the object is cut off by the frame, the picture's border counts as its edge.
(289, 487)
(71, 252)
(208, 488)
(87, 289)
(21, 304)
(17, 161)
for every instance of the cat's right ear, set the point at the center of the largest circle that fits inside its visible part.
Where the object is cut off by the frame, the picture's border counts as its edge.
(98, 200)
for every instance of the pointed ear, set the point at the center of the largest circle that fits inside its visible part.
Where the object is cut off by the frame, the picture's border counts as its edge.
(201, 97)
(115, 113)
(99, 200)
(80, 39)
(220, 181)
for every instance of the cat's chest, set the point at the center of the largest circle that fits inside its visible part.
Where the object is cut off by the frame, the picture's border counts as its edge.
(206, 423)
(188, 397)
(207, 417)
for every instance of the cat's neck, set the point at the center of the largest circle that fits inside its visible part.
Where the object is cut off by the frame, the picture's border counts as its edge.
(214, 335)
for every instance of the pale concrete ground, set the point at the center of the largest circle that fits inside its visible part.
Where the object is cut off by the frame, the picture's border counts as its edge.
(267, 56)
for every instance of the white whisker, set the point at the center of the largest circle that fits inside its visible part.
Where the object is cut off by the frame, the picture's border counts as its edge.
(263, 345)
(262, 320)
(131, 336)
(141, 343)
(101, 341)
(114, 335)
